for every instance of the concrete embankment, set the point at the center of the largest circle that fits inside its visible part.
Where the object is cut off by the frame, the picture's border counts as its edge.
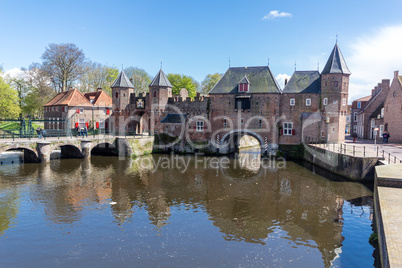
(388, 207)
(351, 167)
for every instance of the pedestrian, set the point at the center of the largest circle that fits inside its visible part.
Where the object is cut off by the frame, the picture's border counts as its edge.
(44, 133)
(85, 132)
(384, 136)
(388, 136)
(39, 132)
(354, 136)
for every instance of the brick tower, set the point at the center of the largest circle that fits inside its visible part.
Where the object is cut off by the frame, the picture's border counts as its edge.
(334, 95)
(122, 88)
(160, 90)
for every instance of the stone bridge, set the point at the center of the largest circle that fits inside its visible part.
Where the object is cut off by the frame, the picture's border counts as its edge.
(39, 151)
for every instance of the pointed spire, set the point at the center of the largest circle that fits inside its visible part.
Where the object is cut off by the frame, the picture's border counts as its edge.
(122, 81)
(336, 63)
(160, 80)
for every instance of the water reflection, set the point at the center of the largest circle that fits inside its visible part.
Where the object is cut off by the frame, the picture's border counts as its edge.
(246, 203)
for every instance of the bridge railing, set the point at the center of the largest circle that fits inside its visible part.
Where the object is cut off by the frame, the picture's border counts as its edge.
(356, 150)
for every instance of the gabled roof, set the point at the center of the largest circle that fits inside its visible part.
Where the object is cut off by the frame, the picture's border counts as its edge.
(336, 63)
(377, 111)
(99, 98)
(72, 97)
(244, 81)
(367, 98)
(260, 79)
(174, 118)
(303, 82)
(122, 81)
(160, 80)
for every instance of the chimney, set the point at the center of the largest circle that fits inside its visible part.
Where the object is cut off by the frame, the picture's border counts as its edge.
(396, 74)
(98, 89)
(286, 81)
(385, 84)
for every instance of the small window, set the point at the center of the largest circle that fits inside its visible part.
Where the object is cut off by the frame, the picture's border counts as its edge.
(335, 83)
(325, 101)
(292, 102)
(57, 108)
(308, 102)
(359, 104)
(242, 121)
(287, 128)
(344, 101)
(200, 126)
(117, 95)
(382, 112)
(256, 103)
(81, 110)
(355, 117)
(225, 123)
(260, 123)
(243, 87)
(155, 94)
(229, 103)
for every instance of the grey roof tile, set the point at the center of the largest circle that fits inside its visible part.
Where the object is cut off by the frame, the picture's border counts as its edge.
(122, 81)
(260, 78)
(303, 82)
(336, 63)
(160, 80)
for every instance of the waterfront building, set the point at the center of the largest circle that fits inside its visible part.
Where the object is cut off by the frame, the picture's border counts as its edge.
(71, 109)
(357, 106)
(245, 101)
(393, 109)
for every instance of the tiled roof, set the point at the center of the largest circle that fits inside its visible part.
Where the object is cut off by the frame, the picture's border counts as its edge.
(336, 63)
(174, 118)
(72, 97)
(122, 81)
(160, 80)
(260, 78)
(367, 98)
(303, 82)
(99, 98)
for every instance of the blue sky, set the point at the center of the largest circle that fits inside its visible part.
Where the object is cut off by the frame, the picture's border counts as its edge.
(197, 38)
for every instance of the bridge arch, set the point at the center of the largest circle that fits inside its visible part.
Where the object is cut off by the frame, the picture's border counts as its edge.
(30, 156)
(231, 140)
(68, 150)
(104, 148)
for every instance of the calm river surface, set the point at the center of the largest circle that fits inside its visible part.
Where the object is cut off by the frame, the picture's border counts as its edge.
(181, 211)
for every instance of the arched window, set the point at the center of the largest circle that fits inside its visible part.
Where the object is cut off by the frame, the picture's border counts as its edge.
(117, 94)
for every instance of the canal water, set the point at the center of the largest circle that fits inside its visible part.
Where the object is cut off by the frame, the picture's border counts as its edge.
(181, 211)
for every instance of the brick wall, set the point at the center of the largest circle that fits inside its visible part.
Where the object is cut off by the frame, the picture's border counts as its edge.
(393, 110)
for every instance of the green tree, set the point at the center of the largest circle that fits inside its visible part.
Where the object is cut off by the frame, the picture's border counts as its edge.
(139, 77)
(209, 82)
(180, 81)
(8, 100)
(96, 75)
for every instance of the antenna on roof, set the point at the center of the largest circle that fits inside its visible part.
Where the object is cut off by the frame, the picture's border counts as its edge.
(122, 67)
(268, 61)
(318, 66)
(229, 62)
(337, 37)
(295, 66)
(161, 65)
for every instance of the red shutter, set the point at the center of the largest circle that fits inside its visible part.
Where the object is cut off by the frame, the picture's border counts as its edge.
(86, 124)
(78, 111)
(293, 131)
(97, 125)
(281, 131)
(76, 124)
(107, 111)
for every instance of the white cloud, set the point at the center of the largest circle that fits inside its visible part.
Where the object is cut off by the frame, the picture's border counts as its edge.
(281, 79)
(276, 14)
(14, 73)
(374, 57)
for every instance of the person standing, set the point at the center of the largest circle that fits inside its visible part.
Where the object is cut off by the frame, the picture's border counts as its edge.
(39, 132)
(354, 136)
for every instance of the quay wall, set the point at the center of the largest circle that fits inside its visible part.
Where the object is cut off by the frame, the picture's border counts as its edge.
(353, 168)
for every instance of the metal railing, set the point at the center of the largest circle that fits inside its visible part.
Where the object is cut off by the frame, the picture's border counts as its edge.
(355, 150)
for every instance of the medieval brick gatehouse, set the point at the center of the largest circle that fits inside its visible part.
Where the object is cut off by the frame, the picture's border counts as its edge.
(246, 101)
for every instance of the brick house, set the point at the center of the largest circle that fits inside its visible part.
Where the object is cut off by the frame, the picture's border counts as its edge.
(371, 114)
(245, 101)
(357, 106)
(71, 109)
(393, 110)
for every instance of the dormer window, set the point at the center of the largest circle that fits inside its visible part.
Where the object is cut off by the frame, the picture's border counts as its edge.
(244, 85)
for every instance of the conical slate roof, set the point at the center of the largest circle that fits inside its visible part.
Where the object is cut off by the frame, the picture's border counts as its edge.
(336, 63)
(122, 81)
(160, 80)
